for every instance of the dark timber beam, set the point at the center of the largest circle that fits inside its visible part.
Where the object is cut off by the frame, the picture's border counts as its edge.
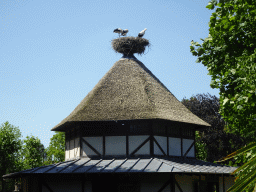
(178, 186)
(189, 149)
(104, 145)
(151, 143)
(166, 133)
(127, 139)
(159, 146)
(92, 148)
(83, 180)
(223, 183)
(80, 142)
(127, 145)
(40, 183)
(137, 149)
(181, 142)
(172, 182)
(46, 185)
(165, 185)
(195, 140)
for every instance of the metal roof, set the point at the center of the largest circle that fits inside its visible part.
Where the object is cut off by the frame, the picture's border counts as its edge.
(128, 165)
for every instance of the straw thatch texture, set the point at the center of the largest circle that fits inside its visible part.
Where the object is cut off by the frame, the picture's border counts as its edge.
(130, 45)
(130, 91)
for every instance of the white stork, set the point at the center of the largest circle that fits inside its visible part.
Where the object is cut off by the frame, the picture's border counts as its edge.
(142, 33)
(125, 31)
(118, 30)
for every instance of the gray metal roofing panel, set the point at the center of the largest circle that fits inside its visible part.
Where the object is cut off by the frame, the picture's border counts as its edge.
(114, 165)
(127, 165)
(194, 165)
(30, 170)
(61, 166)
(44, 169)
(140, 165)
(75, 166)
(166, 168)
(100, 166)
(227, 169)
(87, 166)
(154, 166)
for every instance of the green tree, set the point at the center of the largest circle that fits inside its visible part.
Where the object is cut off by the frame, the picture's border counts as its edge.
(33, 152)
(229, 54)
(56, 150)
(212, 143)
(10, 146)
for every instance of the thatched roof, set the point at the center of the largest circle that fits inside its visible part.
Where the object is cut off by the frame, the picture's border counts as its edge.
(129, 91)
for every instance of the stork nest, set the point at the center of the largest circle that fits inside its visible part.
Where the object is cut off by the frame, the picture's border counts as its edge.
(130, 45)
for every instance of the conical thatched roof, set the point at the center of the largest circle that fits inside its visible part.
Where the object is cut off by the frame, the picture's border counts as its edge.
(129, 91)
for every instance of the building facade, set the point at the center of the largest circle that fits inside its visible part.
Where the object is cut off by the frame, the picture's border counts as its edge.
(129, 133)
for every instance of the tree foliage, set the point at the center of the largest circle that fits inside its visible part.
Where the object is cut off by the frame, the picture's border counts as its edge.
(229, 54)
(18, 155)
(56, 150)
(212, 143)
(10, 146)
(33, 152)
(247, 172)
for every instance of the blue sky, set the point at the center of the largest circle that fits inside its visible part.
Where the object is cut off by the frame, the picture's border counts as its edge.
(54, 52)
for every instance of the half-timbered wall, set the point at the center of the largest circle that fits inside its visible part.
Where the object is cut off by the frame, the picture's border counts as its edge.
(185, 182)
(186, 144)
(174, 146)
(162, 141)
(63, 186)
(135, 141)
(115, 145)
(72, 145)
(132, 139)
(96, 142)
(228, 182)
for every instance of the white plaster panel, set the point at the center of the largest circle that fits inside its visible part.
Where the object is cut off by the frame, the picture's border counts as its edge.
(135, 141)
(71, 150)
(185, 182)
(67, 150)
(63, 186)
(95, 142)
(186, 145)
(115, 145)
(174, 146)
(77, 148)
(163, 143)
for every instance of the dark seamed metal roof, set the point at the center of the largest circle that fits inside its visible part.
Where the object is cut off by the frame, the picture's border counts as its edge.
(129, 165)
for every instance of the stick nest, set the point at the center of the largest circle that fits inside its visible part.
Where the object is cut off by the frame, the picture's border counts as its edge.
(130, 45)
